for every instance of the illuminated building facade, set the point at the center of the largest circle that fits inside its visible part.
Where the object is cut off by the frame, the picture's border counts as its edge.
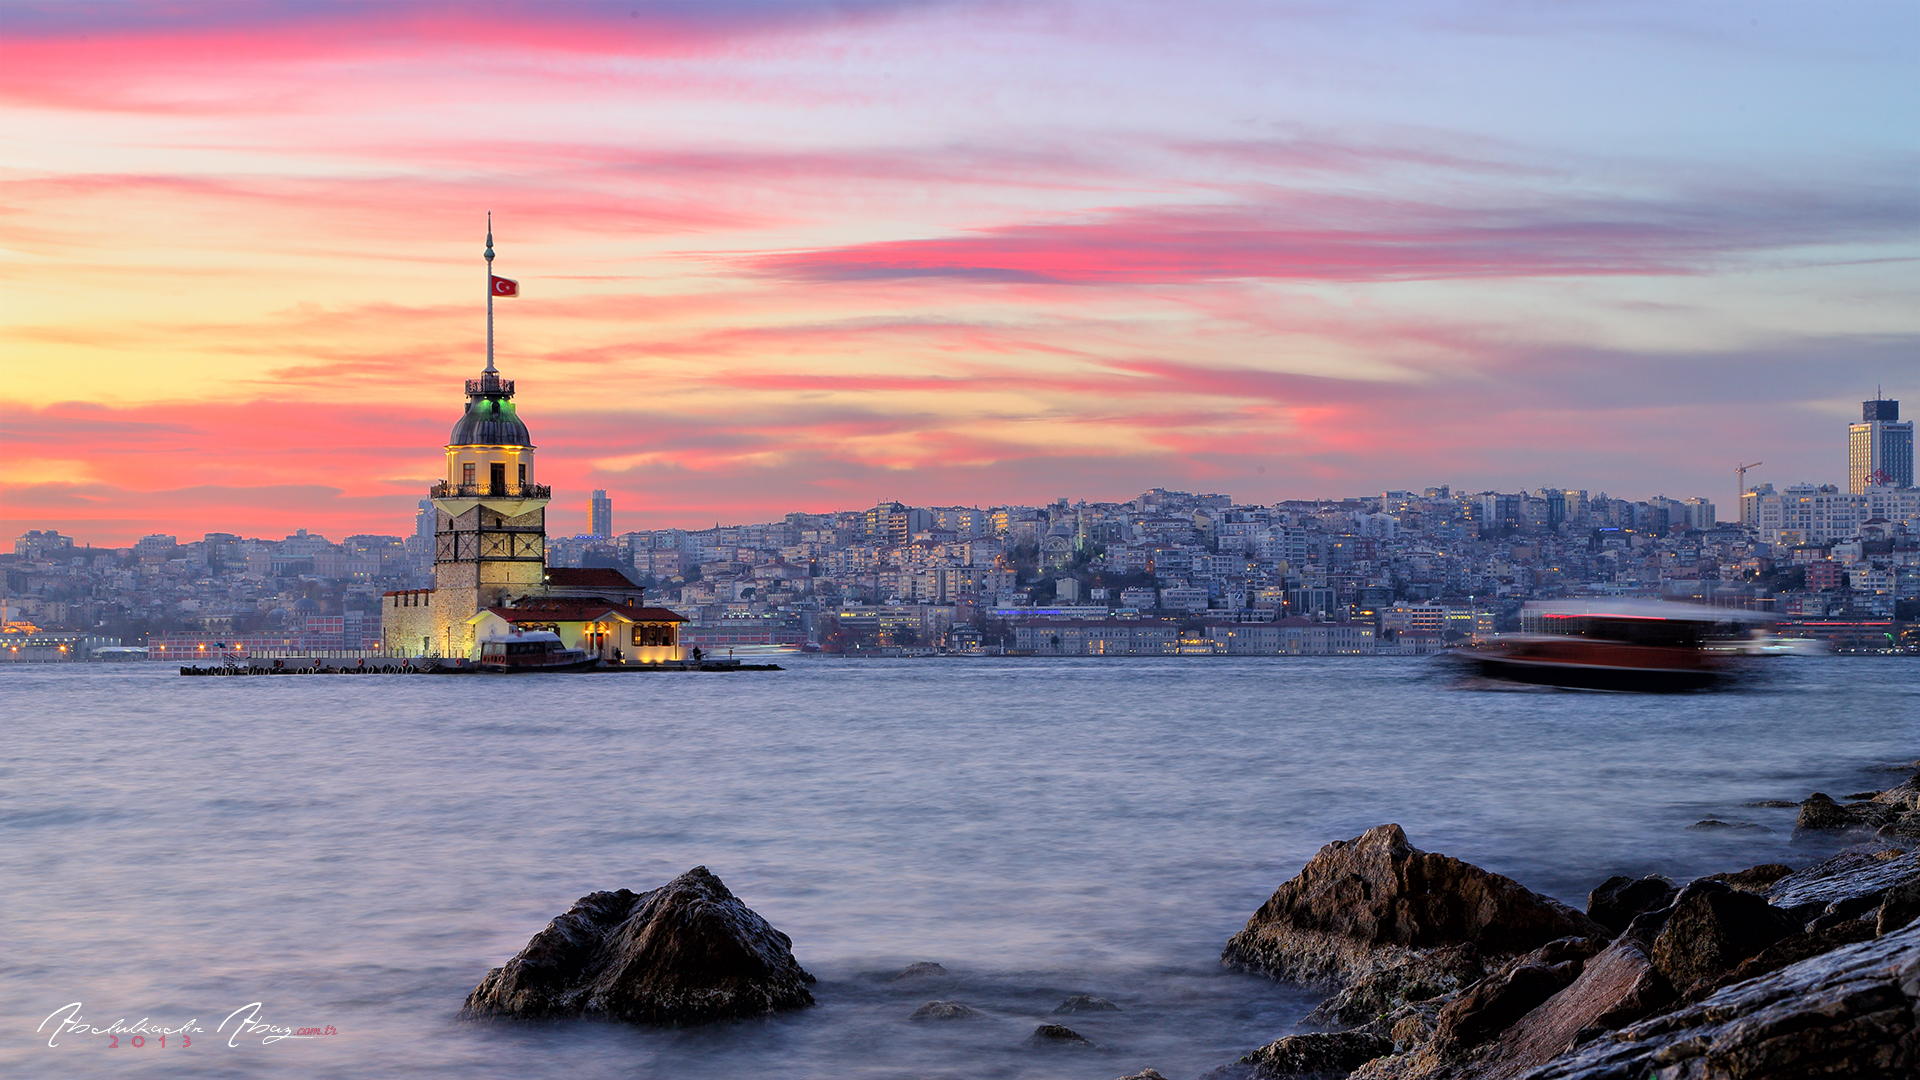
(1879, 448)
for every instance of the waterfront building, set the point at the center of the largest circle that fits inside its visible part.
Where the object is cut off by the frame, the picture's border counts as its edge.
(1879, 447)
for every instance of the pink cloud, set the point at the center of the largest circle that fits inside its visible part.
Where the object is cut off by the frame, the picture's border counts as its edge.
(1350, 239)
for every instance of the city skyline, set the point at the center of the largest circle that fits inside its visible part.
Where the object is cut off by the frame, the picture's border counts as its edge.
(804, 257)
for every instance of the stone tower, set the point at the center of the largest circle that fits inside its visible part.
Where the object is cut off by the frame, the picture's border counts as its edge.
(490, 535)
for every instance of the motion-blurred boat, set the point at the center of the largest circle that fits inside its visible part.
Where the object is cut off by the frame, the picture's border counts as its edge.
(1642, 646)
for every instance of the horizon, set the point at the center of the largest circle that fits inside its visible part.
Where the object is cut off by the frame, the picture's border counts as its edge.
(780, 257)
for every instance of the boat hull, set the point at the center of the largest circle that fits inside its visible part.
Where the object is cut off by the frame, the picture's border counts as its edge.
(1576, 676)
(587, 664)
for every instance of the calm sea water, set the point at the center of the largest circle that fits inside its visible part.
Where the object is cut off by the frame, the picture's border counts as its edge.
(358, 852)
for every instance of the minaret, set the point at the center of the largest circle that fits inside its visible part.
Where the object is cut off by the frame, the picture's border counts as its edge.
(490, 535)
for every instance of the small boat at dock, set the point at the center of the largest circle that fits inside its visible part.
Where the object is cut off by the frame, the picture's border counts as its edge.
(532, 650)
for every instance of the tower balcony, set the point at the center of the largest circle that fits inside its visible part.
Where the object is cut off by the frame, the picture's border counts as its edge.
(444, 490)
(489, 385)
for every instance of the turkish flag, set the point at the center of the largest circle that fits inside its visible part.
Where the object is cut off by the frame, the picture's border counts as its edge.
(503, 286)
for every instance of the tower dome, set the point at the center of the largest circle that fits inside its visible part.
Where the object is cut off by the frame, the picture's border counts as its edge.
(490, 419)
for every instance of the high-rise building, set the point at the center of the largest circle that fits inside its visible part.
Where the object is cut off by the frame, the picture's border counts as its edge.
(1879, 447)
(600, 515)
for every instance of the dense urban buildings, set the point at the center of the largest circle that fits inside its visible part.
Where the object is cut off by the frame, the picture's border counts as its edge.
(1164, 573)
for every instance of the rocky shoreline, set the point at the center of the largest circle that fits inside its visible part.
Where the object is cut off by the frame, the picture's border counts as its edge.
(1443, 971)
(1435, 969)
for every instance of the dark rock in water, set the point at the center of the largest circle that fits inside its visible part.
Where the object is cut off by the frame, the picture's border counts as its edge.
(688, 952)
(1716, 825)
(1319, 1055)
(1086, 1003)
(1898, 907)
(924, 969)
(1847, 1013)
(1772, 804)
(1819, 811)
(945, 1010)
(1616, 901)
(1370, 902)
(1713, 928)
(1057, 1035)
(1849, 876)
(1383, 991)
(1754, 879)
(1143, 1074)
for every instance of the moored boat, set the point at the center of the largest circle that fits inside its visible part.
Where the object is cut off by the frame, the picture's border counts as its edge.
(1643, 646)
(532, 650)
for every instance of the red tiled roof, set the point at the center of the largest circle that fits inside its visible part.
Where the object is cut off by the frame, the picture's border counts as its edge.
(567, 609)
(588, 577)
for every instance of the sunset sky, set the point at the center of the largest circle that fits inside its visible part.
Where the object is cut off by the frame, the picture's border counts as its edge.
(786, 255)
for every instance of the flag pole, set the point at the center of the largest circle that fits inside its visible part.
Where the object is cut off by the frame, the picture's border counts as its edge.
(490, 369)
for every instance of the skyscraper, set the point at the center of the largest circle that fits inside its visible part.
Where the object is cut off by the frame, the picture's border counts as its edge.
(600, 514)
(1879, 447)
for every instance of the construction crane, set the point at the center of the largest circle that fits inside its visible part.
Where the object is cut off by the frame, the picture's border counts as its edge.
(1740, 471)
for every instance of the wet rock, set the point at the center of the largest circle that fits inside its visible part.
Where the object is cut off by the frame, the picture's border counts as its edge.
(1797, 947)
(1616, 901)
(1491, 1005)
(1904, 797)
(1487, 1007)
(1904, 827)
(944, 1010)
(1716, 825)
(924, 969)
(1085, 1003)
(688, 952)
(1615, 986)
(1320, 1055)
(1711, 929)
(1143, 1074)
(1754, 879)
(1772, 804)
(1898, 907)
(1386, 990)
(1846, 1013)
(1368, 903)
(1856, 874)
(1057, 1035)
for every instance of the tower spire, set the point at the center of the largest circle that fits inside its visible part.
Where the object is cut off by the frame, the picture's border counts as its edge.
(490, 369)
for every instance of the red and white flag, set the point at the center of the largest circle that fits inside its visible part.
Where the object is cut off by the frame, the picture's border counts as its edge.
(503, 286)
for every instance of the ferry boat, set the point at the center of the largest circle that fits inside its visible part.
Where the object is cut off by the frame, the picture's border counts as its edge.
(1636, 646)
(532, 650)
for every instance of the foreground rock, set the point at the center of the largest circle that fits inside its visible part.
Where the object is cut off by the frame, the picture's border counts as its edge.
(686, 953)
(1368, 904)
(1846, 1013)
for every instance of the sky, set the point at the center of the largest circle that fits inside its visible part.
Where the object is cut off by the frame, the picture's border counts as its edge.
(806, 255)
